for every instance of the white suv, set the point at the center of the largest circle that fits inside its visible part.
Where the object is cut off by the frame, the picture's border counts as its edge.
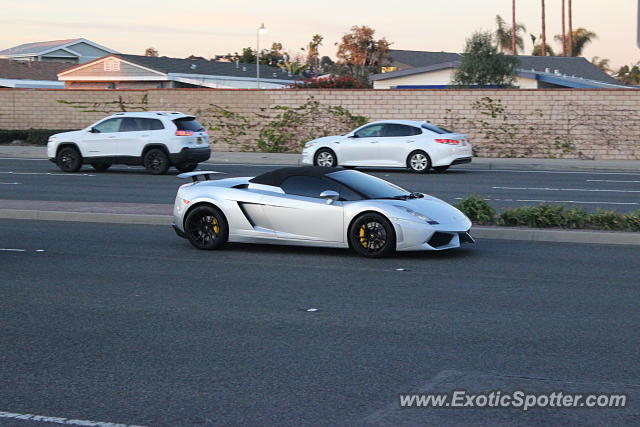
(154, 139)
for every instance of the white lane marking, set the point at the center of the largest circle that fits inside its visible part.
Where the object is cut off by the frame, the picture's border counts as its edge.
(61, 420)
(565, 189)
(559, 201)
(10, 183)
(610, 180)
(12, 250)
(252, 164)
(546, 171)
(23, 158)
(45, 173)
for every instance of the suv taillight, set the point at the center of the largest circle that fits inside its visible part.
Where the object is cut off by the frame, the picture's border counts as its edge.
(448, 141)
(184, 132)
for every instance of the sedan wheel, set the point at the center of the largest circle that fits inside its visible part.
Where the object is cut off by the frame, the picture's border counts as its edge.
(206, 228)
(372, 236)
(325, 158)
(69, 160)
(419, 162)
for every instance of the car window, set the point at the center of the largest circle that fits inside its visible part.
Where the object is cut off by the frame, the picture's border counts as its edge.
(437, 129)
(188, 123)
(308, 186)
(394, 129)
(370, 131)
(367, 185)
(109, 126)
(136, 124)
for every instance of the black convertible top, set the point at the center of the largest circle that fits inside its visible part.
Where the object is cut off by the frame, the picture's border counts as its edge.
(276, 177)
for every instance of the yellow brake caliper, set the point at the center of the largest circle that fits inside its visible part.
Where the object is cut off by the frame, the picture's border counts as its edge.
(215, 226)
(363, 239)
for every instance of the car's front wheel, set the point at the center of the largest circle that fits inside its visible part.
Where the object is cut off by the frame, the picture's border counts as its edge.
(187, 167)
(69, 159)
(372, 235)
(206, 228)
(418, 162)
(325, 158)
(156, 161)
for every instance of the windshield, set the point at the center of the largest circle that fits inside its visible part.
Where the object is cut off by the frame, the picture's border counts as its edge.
(367, 185)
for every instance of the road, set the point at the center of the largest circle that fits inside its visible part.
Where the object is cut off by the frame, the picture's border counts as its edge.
(130, 324)
(36, 179)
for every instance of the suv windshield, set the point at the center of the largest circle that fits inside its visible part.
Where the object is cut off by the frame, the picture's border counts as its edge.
(436, 129)
(188, 123)
(369, 186)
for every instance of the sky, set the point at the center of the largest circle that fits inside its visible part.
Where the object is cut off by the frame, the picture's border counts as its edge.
(217, 27)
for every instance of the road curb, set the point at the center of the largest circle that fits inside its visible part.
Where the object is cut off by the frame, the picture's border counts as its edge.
(498, 233)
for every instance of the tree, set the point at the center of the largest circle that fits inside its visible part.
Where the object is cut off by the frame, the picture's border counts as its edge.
(194, 57)
(361, 53)
(483, 65)
(537, 48)
(601, 63)
(628, 75)
(503, 36)
(325, 64)
(313, 57)
(580, 39)
(151, 51)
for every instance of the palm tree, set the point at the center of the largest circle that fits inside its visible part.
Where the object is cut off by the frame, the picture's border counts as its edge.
(503, 36)
(628, 75)
(537, 48)
(580, 38)
(544, 32)
(601, 63)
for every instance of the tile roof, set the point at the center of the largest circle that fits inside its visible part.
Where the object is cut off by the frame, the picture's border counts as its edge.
(205, 67)
(571, 66)
(31, 70)
(36, 48)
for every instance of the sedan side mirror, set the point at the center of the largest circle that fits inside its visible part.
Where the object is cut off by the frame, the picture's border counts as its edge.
(94, 130)
(330, 196)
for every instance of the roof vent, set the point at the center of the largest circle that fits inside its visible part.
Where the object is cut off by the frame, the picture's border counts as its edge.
(547, 70)
(556, 72)
(275, 74)
(244, 68)
(193, 66)
(237, 64)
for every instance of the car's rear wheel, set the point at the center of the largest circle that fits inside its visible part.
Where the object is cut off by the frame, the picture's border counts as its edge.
(418, 162)
(206, 228)
(100, 167)
(372, 235)
(156, 161)
(440, 168)
(187, 167)
(325, 158)
(69, 159)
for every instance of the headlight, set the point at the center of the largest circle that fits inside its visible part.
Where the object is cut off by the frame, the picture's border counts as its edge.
(309, 144)
(52, 139)
(417, 215)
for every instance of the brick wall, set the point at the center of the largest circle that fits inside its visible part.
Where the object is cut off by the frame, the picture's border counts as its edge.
(591, 124)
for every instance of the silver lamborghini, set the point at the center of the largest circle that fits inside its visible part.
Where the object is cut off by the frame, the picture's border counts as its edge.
(315, 206)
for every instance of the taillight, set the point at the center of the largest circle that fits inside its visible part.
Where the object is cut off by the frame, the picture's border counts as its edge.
(448, 141)
(184, 132)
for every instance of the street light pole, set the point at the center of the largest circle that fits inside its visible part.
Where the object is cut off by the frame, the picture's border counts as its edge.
(261, 30)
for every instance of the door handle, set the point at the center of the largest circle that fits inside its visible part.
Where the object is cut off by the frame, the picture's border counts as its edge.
(373, 142)
(409, 141)
(113, 136)
(144, 136)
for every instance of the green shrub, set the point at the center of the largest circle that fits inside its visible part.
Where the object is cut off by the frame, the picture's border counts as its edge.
(633, 221)
(477, 209)
(536, 216)
(576, 218)
(29, 136)
(609, 220)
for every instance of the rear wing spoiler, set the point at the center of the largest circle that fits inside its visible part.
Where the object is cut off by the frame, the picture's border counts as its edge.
(206, 175)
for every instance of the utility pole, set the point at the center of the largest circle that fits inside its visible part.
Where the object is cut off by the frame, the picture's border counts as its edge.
(544, 31)
(570, 48)
(513, 27)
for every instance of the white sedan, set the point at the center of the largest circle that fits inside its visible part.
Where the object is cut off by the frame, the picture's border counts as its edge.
(418, 146)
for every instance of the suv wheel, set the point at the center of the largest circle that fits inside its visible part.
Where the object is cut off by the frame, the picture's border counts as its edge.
(156, 161)
(190, 167)
(69, 159)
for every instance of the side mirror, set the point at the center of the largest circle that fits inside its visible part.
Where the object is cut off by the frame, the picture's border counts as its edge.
(330, 196)
(94, 130)
(353, 136)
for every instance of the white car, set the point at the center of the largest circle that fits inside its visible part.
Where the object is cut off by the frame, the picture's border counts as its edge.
(315, 206)
(154, 139)
(418, 146)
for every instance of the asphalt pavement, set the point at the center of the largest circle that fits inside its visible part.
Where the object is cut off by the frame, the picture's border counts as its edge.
(34, 179)
(130, 324)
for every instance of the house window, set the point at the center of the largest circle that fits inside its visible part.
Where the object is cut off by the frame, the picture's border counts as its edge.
(111, 64)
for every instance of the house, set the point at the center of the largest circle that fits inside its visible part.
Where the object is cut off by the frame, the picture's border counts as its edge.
(119, 71)
(28, 74)
(75, 51)
(434, 70)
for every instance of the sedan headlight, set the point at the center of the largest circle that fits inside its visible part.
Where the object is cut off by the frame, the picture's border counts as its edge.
(417, 215)
(309, 144)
